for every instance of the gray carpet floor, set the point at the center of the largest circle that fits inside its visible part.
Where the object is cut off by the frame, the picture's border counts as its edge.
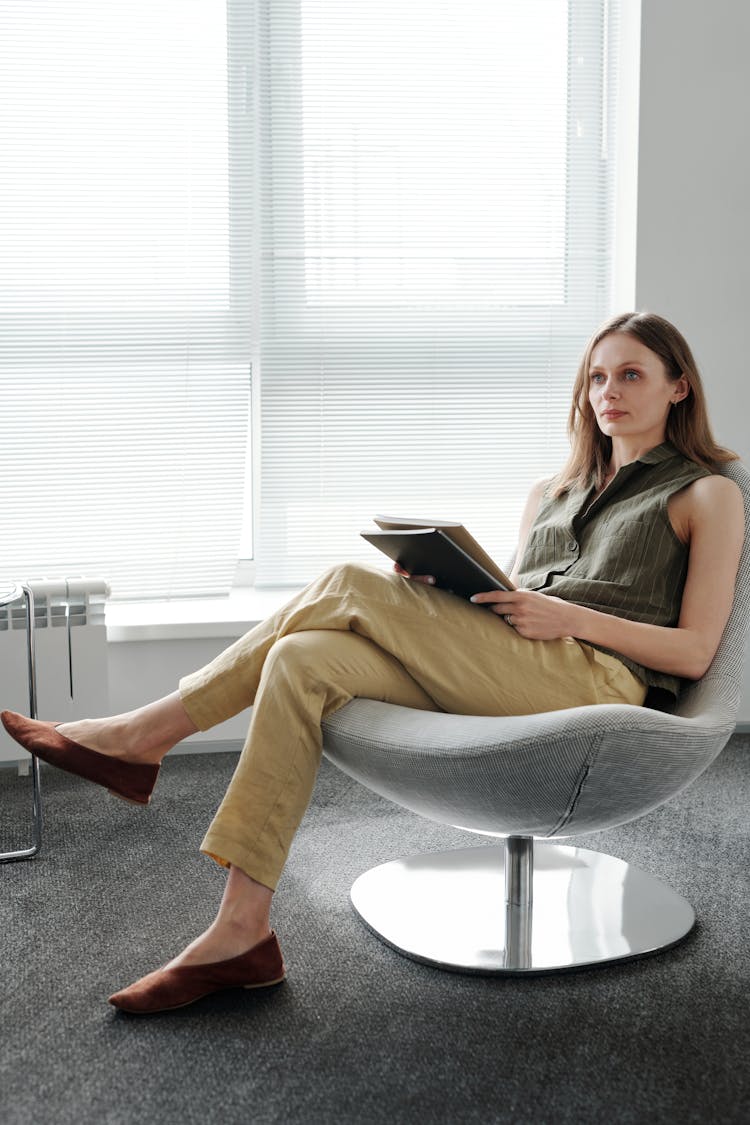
(358, 1033)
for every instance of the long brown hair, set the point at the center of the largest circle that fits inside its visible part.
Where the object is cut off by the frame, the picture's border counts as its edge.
(688, 427)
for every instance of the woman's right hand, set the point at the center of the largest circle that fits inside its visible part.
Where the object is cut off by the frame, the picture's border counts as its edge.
(428, 579)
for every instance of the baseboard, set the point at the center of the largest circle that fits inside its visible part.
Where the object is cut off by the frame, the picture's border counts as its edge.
(206, 746)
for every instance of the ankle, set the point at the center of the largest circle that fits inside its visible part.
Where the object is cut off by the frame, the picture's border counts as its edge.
(155, 728)
(140, 743)
(222, 941)
(247, 927)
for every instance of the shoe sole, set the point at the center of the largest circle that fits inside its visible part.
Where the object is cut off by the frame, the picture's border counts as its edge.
(265, 983)
(129, 800)
(176, 1007)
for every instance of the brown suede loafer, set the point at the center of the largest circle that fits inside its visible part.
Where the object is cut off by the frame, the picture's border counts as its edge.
(131, 781)
(165, 989)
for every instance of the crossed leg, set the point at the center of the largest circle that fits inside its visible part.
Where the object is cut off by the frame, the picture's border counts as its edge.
(356, 631)
(305, 677)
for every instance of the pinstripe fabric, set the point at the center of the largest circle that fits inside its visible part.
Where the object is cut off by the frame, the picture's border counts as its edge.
(617, 554)
(553, 774)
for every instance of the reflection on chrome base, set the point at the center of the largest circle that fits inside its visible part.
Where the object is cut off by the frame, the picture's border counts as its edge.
(557, 908)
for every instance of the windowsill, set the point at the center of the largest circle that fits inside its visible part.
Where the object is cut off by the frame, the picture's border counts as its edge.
(194, 618)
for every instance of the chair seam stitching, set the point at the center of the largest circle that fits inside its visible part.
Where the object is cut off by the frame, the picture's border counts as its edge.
(578, 789)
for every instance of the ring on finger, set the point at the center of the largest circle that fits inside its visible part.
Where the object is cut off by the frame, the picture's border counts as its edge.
(508, 620)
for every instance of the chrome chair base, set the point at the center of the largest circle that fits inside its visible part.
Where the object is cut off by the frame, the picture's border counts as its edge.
(576, 909)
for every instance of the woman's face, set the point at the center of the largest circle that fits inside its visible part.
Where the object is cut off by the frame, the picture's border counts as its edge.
(629, 390)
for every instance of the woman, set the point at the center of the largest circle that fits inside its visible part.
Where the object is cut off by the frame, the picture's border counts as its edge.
(626, 566)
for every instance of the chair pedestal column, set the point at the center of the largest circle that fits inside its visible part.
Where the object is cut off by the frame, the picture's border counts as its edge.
(519, 899)
(521, 907)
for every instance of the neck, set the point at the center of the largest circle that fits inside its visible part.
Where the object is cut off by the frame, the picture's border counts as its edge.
(624, 451)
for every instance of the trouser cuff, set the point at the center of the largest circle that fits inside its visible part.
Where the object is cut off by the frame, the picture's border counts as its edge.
(231, 853)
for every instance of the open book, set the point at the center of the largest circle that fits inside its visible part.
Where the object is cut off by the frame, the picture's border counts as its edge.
(442, 548)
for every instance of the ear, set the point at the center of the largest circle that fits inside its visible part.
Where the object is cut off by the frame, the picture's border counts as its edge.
(680, 389)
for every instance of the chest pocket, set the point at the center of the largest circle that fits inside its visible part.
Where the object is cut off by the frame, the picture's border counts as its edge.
(618, 551)
(549, 550)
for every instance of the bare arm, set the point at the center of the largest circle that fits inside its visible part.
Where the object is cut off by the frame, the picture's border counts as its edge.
(528, 516)
(714, 520)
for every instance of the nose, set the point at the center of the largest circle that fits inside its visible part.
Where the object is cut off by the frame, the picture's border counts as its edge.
(609, 390)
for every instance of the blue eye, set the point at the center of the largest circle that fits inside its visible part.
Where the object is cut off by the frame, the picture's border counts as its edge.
(632, 375)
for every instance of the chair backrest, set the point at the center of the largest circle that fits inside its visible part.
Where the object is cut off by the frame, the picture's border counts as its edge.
(726, 673)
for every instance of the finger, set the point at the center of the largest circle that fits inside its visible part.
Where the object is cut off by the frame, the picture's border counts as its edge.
(494, 597)
(428, 579)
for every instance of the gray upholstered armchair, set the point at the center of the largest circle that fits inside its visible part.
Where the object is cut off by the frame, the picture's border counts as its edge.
(530, 905)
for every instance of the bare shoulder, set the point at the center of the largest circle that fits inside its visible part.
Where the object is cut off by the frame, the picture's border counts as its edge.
(538, 488)
(533, 500)
(714, 502)
(709, 493)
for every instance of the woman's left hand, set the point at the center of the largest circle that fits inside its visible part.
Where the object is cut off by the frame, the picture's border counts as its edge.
(535, 616)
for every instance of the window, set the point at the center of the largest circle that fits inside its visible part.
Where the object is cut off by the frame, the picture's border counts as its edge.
(436, 193)
(395, 217)
(419, 185)
(125, 347)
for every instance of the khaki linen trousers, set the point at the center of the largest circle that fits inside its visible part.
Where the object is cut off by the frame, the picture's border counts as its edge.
(361, 631)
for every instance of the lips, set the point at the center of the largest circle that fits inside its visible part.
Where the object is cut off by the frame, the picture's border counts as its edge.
(612, 414)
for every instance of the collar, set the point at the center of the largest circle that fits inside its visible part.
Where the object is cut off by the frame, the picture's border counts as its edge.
(659, 453)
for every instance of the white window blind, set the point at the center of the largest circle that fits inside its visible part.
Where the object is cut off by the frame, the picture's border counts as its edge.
(126, 210)
(436, 194)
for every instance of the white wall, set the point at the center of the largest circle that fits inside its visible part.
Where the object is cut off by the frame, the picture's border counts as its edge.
(140, 671)
(693, 234)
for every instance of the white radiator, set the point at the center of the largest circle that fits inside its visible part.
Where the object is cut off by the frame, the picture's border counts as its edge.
(71, 654)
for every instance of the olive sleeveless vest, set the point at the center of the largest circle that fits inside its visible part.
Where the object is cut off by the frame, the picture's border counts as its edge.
(618, 554)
